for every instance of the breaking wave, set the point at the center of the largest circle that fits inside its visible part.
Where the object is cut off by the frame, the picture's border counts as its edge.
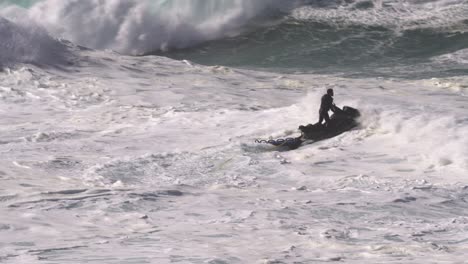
(136, 27)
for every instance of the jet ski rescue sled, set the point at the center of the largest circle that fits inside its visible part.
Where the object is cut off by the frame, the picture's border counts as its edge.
(341, 121)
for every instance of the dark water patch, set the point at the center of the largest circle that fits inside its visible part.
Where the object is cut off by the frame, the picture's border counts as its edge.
(52, 250)
(4, 227)
(346, 203)
(154, 196)
(172, 193)
(7, 256)
(67, 192)
(336, 234)
(132, 69)
(393, 237)
(407, 199)
(47, 201)
(99, 191)
(5, 198)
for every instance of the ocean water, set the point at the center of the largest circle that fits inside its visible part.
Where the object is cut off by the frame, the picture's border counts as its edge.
(127, 131)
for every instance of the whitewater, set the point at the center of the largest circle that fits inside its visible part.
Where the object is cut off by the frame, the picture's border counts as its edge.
(127, 131)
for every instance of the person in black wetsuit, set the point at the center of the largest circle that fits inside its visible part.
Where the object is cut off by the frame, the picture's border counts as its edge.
(326, 105)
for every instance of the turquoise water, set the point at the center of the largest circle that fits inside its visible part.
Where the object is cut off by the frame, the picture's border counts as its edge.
(22, 3)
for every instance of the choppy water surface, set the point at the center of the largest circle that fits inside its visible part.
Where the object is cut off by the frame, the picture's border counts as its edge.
(108, 157)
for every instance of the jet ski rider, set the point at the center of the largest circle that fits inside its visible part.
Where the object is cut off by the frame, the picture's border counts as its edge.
(327, 105)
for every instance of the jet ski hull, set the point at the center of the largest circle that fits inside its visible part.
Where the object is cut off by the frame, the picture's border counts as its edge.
(341, 121)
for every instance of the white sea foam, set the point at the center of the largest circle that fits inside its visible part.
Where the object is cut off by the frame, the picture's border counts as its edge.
(162, 163)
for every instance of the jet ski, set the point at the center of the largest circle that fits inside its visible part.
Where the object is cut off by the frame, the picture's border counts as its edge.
(341, 121)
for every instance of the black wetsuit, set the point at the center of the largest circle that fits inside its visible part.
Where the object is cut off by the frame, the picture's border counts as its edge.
(325, 106)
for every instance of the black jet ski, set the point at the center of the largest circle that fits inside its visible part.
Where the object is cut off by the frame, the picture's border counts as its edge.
(341, 121)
